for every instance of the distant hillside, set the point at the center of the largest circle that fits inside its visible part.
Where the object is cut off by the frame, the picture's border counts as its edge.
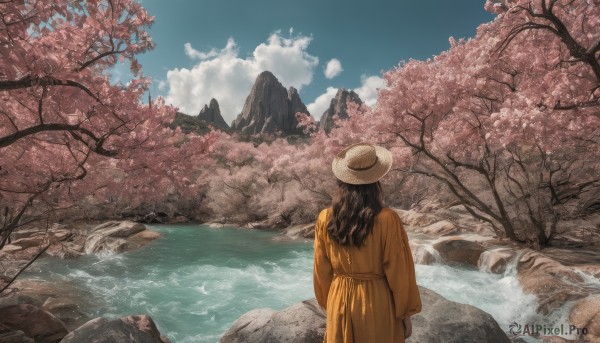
(189, 123)
(209, 116)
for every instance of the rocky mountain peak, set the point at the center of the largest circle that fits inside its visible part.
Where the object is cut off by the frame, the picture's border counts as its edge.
(338, 106)
(270, 108)
(267, 77)
(214, 103)
(211, 113)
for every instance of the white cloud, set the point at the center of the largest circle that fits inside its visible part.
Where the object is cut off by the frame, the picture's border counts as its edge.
(368, 89)
(199, 55)
(223, 75)
(321, 103)
(367, 92)
(333, 68)
(162, 85)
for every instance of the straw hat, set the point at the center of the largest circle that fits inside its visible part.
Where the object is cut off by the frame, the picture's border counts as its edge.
(362, 163)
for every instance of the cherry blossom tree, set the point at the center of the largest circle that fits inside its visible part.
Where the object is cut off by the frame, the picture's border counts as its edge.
(167, 175)
(507, 121)
(282, 182)
(66, 131)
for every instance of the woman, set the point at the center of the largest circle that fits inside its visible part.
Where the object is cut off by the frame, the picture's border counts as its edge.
(364, 273)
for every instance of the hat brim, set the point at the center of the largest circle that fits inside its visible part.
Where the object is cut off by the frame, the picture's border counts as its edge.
(361, 177)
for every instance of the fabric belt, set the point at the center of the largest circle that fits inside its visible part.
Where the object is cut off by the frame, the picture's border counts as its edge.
(359, 276)
(352, 277)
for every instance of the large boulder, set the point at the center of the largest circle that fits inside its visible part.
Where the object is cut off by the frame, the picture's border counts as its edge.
(29, 242)
(446, 321)
(65, 241)
(459, 251)
(111, 237)
(14, 253)
(297, 231)
(423, 253)
(65, 250)
(415, 219)
(590, 269)
(552, 282)
(440, 221)
(496, 260)
(55, 232)
(441, 228)
(62, 299)
(132, 329)
(8, 335)
(34, 322)
(586, 314)
(67, 310)
(440, 321)
(301, 323)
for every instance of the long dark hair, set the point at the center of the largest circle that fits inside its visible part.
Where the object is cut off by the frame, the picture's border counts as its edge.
(354, 211)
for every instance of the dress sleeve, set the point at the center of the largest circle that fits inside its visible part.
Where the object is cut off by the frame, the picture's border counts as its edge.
(322, 271)
(399, 268)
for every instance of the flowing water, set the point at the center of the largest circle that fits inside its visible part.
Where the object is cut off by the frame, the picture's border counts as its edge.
(196, 281)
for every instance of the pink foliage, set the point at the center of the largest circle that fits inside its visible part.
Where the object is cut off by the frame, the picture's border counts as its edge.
(524, 88)
(65, 130)
(306, 122)
(508, 121)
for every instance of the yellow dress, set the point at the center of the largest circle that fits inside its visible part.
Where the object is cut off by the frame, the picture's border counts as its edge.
(366, 291)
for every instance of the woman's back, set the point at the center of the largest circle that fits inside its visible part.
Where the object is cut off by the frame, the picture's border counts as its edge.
(364, 273)
(367, 291)
(368, 258)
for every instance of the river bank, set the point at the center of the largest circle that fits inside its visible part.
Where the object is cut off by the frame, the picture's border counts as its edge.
(447, 260)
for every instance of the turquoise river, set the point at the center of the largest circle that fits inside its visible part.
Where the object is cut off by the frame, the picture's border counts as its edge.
(195, 281)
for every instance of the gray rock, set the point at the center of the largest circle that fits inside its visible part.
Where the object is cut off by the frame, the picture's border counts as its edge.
(459, 251)
(62, 299)
(212, 114)
(19, 299)
(29, 242)
(67, 310)
(27, 233)
(34, 322)
(423, 253)
(440, 321)
(65, 250)
(132, 329)
(8, 335)
(553, 283)
(301, 323)
(300, 231)
(270, 108)
(338, 107)
(37, 292)
(249, 327)
(496, 260)
(105, 237)
(446, 321)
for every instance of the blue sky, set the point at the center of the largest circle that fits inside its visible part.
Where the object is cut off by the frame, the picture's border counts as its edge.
(215, 48)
